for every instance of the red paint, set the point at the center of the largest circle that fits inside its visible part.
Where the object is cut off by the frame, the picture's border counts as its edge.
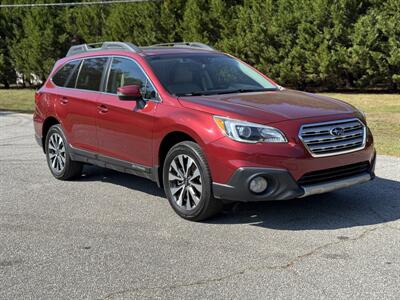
(131, 91)
(103, 123)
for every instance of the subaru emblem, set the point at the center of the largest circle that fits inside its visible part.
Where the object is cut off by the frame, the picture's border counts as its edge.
(337, 131)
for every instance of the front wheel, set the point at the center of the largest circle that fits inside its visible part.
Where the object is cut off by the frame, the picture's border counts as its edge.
(187, 182)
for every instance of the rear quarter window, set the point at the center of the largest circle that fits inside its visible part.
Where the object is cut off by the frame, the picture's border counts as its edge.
(63, 74)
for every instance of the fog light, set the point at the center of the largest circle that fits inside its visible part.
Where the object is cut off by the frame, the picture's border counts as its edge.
(258, 184)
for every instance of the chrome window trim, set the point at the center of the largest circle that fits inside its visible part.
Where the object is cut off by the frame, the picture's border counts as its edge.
(334, 122)
(59, 69)
(103, 92)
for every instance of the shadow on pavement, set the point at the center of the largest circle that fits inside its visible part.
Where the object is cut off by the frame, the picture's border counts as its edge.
(371, 203)
(93, 173)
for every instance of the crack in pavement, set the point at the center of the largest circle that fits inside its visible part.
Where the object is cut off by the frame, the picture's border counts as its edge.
(288, 265)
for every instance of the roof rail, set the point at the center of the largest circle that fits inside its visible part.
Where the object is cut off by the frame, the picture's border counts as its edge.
(185, 44)
(102, 46)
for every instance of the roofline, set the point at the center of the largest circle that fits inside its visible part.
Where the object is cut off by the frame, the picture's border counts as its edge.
(185, 45)
(126, 46)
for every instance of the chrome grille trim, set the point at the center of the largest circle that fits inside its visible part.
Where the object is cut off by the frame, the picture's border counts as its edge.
(319, 141)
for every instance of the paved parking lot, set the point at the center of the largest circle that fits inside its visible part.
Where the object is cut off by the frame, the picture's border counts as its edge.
(111, 236)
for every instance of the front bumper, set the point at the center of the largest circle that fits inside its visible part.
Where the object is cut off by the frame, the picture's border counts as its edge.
(281, 185)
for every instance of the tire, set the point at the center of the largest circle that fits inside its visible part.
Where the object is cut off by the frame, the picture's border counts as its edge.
(58, 157)
(187, 182)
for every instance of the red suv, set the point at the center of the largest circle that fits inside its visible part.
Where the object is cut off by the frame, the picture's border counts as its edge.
(202, 124)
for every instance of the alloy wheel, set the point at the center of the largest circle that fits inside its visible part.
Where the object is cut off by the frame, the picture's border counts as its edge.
(185, 182)
(57, 154)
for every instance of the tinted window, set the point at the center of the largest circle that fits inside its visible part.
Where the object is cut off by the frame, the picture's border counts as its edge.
(149, 92)
(206, 74)
(71, 81)
(90, 74)
(124, 72)
(62, 75)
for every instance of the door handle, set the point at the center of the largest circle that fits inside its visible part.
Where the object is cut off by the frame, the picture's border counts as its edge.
(64, 100)
(102, 109)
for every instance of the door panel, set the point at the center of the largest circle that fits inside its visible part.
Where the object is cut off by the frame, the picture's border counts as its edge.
(123, 132)
(76, 102)
(78, 113)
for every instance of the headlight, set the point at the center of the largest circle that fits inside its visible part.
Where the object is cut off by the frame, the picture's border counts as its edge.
(247, 132)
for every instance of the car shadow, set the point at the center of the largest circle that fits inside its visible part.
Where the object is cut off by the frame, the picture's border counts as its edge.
(94, 173)
(370, 203)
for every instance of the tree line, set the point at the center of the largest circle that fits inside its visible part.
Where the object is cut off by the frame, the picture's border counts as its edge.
(304, 44)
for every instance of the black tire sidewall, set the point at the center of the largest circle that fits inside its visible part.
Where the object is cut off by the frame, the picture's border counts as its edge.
(187, 148)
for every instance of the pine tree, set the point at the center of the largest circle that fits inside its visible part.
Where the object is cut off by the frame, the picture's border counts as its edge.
(171, 14)
(137, 23)
(7, 70)
(306, 44)
(374, 54)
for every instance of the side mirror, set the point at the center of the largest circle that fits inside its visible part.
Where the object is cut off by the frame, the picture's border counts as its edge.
(129, 93)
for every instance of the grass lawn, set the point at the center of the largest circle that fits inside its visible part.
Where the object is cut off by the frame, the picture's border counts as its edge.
(383, 113)
(20, 100)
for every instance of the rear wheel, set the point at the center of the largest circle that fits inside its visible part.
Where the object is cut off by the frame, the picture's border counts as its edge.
(57, 154)
(187, 182)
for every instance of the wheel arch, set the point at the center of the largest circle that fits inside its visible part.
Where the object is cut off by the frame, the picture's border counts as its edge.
(168, 141)
(48, 122)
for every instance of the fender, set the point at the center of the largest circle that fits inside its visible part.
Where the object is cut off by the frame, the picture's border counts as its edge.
(198, 125)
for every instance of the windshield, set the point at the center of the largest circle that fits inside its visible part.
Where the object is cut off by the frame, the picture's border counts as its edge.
(206, 74)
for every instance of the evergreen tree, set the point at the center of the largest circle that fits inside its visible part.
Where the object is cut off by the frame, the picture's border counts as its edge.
(194, 24)
(375, 52)
(306, 44)
(137, 23)
(171, 13)
(7, 69)
(88, 23)
(37, 40)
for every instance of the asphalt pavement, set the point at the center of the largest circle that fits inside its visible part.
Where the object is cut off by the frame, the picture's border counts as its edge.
(114, 236)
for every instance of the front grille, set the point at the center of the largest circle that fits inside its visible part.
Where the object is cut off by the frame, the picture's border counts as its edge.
(331, 138)
(334, 173)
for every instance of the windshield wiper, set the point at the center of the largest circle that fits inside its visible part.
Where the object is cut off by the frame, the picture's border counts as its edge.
(195, 94)
(247, 91)
(219, 92)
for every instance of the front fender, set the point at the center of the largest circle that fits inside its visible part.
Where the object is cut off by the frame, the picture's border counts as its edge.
(200, 126)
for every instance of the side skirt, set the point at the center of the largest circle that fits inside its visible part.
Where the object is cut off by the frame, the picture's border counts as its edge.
(114, 164)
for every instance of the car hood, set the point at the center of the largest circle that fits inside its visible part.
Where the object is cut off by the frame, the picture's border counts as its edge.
(268, 107)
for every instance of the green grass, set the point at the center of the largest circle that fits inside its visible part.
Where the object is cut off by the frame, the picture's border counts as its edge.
(20, 100)
(383, 113)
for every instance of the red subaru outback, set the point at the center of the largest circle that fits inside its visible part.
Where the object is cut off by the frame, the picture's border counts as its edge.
(202, 124)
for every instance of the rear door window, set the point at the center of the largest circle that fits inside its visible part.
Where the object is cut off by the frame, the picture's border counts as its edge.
(61, 77)
(91, 73)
